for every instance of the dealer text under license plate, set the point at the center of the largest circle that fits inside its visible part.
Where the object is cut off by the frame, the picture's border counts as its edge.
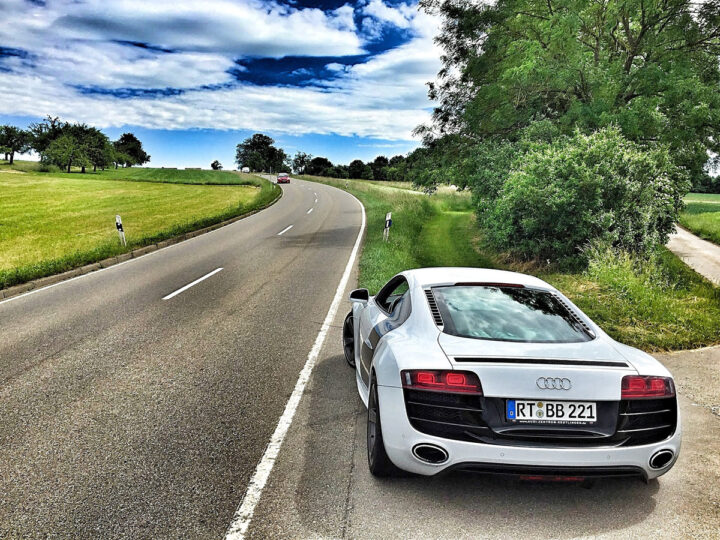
(555, 412)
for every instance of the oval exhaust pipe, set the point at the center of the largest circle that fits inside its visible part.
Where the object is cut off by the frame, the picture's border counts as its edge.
(430, 453)
(661, 459)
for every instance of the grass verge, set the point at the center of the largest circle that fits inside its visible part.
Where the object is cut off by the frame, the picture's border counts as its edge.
(660, 304)
(53, 223)
(702, 215)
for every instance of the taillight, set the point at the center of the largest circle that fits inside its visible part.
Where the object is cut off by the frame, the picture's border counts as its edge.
(462, 382)
(637, 387)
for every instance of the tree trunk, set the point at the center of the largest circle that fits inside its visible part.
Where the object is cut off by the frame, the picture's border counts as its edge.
(12, 157)
(69, 163)
(116, 166)
(94, 168)
(82, 169)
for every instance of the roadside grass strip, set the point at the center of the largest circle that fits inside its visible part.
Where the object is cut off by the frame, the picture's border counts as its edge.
(702, 215)
(50, 224)
(658, 304)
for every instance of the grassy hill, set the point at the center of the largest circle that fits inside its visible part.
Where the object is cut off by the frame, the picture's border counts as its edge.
(53, 222)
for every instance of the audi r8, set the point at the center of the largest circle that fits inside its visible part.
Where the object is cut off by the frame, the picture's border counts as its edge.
(499, 372)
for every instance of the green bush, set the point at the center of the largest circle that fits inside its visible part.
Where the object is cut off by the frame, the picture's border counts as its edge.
(562, 195)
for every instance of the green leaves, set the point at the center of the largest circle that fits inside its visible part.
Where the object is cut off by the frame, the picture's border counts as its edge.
(648, 67)
(563, 195)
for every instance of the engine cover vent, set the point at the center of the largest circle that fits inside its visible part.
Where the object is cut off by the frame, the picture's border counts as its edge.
(575, 316)
(434, 308)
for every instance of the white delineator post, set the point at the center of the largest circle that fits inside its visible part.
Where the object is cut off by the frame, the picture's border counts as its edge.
(120, 230)
(388, 223)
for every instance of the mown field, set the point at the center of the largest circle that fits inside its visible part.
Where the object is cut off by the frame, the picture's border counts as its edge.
(145, 174)
(702, 215)
(52, 222)
(660, 304)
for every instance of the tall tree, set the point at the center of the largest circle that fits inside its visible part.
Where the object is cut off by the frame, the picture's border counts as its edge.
(649, 67)
(379, 166)
(258, 153)
(66, 151)
(45, 132)
(14, 139)
(356, 168)
(130, 146)
(300, 162)
(318, 166)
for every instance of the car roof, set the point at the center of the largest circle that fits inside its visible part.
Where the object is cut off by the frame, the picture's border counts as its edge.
(426, 277)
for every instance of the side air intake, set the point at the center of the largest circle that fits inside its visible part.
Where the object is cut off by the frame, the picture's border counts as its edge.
(433, 308)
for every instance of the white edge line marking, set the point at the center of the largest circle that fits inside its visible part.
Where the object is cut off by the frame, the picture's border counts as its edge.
(286, 229)
(186, 287)
(243, 516)
(310, 210)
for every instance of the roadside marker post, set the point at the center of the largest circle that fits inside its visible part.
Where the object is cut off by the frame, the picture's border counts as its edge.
(120, 230)
(388, 224)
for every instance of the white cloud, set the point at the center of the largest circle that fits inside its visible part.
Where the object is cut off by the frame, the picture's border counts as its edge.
(73, 46)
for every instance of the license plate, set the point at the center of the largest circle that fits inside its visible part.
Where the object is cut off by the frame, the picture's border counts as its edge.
(552, 412)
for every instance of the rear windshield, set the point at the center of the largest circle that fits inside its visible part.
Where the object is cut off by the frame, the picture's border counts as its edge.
(507, 314)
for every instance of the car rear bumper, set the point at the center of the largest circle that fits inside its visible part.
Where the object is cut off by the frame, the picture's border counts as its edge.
(400, 438)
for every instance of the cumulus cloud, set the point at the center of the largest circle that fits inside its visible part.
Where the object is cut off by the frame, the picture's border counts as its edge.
(191, 47)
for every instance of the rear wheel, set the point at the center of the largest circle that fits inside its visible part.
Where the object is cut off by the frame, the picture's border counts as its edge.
(349, 340)
(378, 460)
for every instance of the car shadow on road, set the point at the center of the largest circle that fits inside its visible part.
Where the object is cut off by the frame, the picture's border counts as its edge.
(520, 509)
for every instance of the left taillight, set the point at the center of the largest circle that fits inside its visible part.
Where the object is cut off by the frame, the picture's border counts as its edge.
(638, 387)
(460, 382)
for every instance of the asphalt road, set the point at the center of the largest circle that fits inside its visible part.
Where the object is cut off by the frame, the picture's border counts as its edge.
(124, 414)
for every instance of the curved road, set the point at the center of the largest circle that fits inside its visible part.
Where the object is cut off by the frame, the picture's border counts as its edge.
(126, 410)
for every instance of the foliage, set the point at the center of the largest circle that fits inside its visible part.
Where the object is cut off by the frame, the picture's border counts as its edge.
(563, 195)
(379, 167)
(14, 140)
(300, 162)
(356, 168)
(258, 153)
(129, 147)
(318, 166)
(648, 67)
(216, 165)
(66, 151)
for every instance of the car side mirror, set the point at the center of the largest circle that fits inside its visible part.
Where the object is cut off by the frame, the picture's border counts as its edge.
(360, 295)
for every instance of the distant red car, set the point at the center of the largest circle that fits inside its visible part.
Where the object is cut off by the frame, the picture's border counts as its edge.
(283, 178)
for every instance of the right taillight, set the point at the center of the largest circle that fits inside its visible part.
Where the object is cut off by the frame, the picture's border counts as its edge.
(638, 387)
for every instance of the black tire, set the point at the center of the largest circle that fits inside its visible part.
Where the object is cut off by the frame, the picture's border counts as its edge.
(349, 340)
(378, 461)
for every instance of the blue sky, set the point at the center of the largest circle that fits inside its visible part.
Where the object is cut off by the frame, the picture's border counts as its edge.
(343, 80)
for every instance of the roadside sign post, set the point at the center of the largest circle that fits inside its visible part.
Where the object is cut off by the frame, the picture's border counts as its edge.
(388, 224)
(120, 230)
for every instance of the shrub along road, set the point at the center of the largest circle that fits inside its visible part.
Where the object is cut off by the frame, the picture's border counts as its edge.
(125, 414)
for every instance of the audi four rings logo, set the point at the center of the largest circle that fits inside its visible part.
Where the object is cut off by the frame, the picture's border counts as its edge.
(553, 383)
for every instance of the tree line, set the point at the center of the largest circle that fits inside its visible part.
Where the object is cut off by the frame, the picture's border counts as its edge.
(66, 145)
(258, 153)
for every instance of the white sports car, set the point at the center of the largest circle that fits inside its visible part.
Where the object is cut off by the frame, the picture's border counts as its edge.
(498, 372)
